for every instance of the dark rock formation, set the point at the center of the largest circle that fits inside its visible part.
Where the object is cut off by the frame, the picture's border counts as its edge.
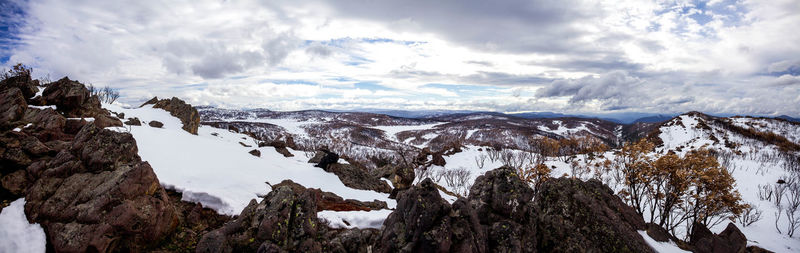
(99, 196)
(156, 124)
(181, 110)
(284, 220)
(133, 122)
(85, 185)
(503, 204)
(317, 157)
(255, 152)
(328, 159)
(23, 82)
(729, 240)
(577, 216)
(401, 177)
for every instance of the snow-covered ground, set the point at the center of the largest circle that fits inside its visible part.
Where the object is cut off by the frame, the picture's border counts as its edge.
(391, 131)
(16, 234)
(214, 169)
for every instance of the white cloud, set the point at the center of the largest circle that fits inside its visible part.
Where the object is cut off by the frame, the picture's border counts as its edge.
(575, 56)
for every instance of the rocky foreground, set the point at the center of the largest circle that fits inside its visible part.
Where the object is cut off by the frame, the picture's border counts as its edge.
(84, 182)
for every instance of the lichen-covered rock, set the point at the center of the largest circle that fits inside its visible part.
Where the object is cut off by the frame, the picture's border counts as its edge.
(331, 201)
(23, 82)
(181, 110)
(577, 216)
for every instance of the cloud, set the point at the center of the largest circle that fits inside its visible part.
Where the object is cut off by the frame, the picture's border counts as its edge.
(567, 56)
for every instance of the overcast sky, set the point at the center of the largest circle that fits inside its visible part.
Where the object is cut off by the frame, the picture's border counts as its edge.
(740, 57)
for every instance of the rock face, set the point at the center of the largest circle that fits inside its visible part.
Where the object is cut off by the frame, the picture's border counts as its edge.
(181, 110)
(84, 184)
(729, 240)
(99, 195)
(331, 201)
(358, 178)
(577, 216)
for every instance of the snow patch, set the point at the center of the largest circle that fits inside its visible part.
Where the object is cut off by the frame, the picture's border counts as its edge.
(16, 234)
(354, 219)
(662, 247)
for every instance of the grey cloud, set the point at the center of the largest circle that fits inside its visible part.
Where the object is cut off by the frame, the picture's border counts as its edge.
(515, 26)
(616, 85)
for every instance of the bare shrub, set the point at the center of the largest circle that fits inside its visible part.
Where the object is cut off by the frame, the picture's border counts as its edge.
(750, 215)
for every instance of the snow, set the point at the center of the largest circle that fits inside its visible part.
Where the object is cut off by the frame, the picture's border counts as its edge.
(563, 130)
(291, 125)
(42, 107)
(662, 247)
(40, 92)
(355, 219)
(16, 234)
(392, 131)
(217, 171)
(16, 129)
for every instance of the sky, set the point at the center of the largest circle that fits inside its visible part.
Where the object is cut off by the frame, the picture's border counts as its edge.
(723, 57)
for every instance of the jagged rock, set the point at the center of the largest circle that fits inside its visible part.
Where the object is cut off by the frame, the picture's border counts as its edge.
(24, 83)
(401, 177)
(355, 177)
(502, 202)
(156, 124)
(13, 106)
(424, 222)
(181, 110)
(353, 240)
(255, 152)
(284, 220)
(133, 122)
(97, 195)
(45, 119)
(577, 216)
(729, 240)
(71, 97)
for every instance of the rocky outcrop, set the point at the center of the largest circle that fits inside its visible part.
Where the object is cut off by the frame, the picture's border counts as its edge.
(84, 184)
(255, 152)
(23, 82)
(401, 177)
(284, 220)
(729, 240)
(577, 216)
(133, 122)
(181, 110)
(98, 195)
(424, 222)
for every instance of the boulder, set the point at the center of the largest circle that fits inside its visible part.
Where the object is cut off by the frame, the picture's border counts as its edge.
(156, 124)
(97, 195)
(328, 159)
(72, 98)
(358, 178)
(133, 122)
(729, 240)
(23, 82)
(181, 110)
(255, 152)
(577, 216)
